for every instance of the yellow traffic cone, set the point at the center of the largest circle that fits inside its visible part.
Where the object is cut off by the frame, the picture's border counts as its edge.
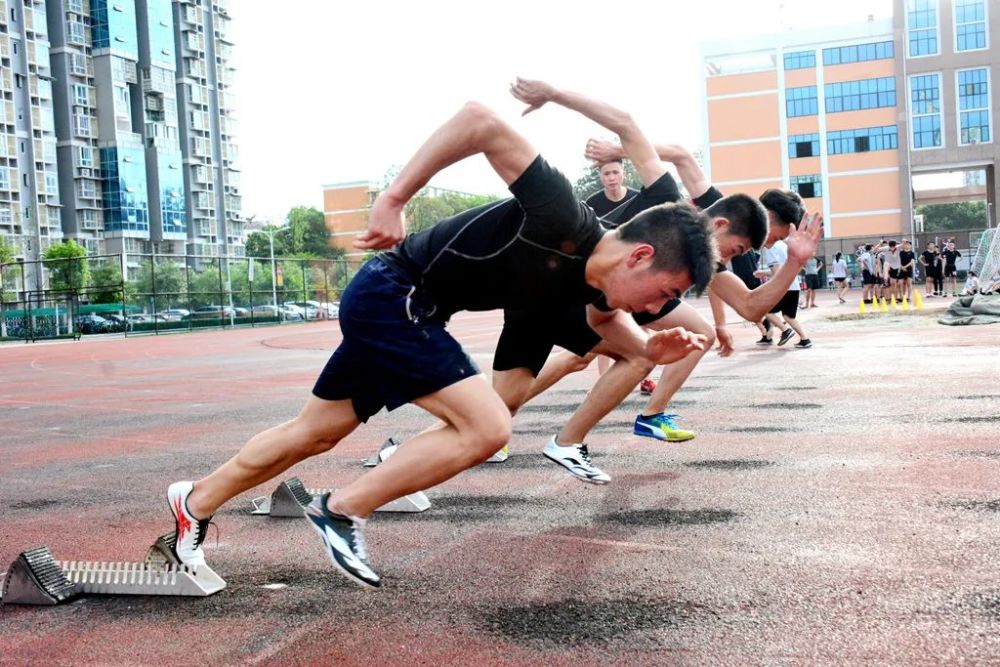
(861, 308)
(918, 301)
(885, 306)
(906, 303)
(895, 306)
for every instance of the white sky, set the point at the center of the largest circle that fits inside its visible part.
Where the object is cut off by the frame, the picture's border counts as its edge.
(335, 91)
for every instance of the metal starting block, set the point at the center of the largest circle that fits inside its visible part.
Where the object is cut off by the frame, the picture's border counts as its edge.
(291, 497)
(385, 450)
(36, 578)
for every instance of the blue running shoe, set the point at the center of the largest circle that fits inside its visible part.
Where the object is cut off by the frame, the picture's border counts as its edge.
(661, 427)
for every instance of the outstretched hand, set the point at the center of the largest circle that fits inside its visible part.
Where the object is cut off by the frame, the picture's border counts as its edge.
(602, 152)
(802, 242)
(386, 226)
(725, 340)
(533, 93)
(670, 345)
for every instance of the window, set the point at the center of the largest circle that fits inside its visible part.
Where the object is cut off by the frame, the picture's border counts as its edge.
(80, 95)
(800, 60)
(4, 179)
(87, 189)
(973, 106)
(81, 124)
(801, 101)
(75, 33)
(925, 110)
(858, 53)
(6, 218)
(803, 145)
(970, 25)
(922, 27)
(85, 156)
(51, 183)
(75, 6)
(78, 64)
(864, 94)
(807, 186)
(89, 219)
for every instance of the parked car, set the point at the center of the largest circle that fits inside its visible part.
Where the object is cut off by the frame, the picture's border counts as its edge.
(282, 313)
(211, 313)
(309, 311)
(174, 314)
(241, 312)
(92, 323)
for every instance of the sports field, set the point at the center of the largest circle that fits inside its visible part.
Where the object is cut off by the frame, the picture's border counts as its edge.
(840, 505)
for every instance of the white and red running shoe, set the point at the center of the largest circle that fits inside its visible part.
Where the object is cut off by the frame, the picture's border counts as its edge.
(647, 386)
(190, 530)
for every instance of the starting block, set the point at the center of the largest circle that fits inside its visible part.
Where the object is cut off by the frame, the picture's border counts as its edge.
(291, 497)
(384, 451)
(36, 578)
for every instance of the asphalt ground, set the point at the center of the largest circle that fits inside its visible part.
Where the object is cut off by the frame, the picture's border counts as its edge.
(840, 505)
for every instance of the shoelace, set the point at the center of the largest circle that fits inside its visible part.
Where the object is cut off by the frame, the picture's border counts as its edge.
(359, 540)
(669, 420)
(584, 454)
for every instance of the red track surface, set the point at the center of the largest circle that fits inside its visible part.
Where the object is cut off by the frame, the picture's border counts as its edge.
(839, 506)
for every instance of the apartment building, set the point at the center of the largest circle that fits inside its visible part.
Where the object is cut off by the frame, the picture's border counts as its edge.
(345, 210)
(117, 127)
(846, 115)
(29, 181)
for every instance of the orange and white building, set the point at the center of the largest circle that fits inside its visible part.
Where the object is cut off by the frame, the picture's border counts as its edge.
(846, 115)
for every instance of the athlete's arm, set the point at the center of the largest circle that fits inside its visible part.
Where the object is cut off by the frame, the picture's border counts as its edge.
(691, 175)
(474, 129)
(622, 333)
(635, 145)
(722, 334)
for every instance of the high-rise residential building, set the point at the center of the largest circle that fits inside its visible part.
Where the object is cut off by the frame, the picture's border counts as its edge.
(847, 115)
(122, 135)
(29, 182)
(208, 126)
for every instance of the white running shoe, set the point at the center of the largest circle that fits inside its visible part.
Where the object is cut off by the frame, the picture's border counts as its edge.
(576, 459)
(190, 531)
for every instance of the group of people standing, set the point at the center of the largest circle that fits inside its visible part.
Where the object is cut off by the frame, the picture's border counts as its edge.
(887, 270)
(940, 267)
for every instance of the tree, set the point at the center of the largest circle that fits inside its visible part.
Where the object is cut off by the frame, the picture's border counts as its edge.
(590, 181)
(423, 211)
(8, 254)
(959, 215)
(307, 228)
(67, 265)
(259, 243)
(106, 283)
(7, 251)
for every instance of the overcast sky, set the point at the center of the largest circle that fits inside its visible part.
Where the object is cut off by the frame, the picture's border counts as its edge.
(333, 91)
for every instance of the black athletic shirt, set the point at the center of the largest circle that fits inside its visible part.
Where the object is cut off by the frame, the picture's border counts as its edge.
(602, 205)
(526, 252)
(930, 257)
(949, 258)
(905, 257)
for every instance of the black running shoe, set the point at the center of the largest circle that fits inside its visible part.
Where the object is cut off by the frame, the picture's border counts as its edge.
(786, 335)
(804, 343)
(344, 541)
(765, 341)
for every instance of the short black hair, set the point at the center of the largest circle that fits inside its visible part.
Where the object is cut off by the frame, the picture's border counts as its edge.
(785, 204)
(682, 241)
(747, 218)
(868, 246)
(892, 244)
(617, 159)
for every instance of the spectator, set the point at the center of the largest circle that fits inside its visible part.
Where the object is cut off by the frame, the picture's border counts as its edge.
(839, 269)
(971, 284)
(931, 261)
(867, 263)
(812, 268)
(907, 260)
(950, 259)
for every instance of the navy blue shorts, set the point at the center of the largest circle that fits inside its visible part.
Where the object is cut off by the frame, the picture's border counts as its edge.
(388, 358)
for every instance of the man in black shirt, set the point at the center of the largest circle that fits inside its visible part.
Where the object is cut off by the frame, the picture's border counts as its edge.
(614, 192)
(950, 257)
(907, 260)
(931, 260)
(539, 249)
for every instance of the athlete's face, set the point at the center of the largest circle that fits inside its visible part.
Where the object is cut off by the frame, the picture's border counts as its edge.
(612, 176)
(730, 245)
(776, 230)
(635, 287)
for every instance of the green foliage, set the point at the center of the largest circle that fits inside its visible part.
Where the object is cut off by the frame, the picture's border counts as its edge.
(106, 283)
(304, 234)
(166, 279)
(7, 251)
(7, 255)
(959, 215)
(67, 265)
(423, 212)
(590, 181)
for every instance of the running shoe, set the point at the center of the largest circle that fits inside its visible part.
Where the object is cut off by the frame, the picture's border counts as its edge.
(661, 427)
(765, 340)
(786, 335)
(190, 530)
(500, 456)
(647, 386)
(343, 540)
(804, 343)
(576, 459)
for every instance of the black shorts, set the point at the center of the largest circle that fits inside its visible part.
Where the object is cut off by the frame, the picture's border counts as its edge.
(391, 354)
(840, 280)
(894, 274)
(950, 272)
(867, 278)
(812, 281)
(528, 337)
(906, 274)
(789, 304)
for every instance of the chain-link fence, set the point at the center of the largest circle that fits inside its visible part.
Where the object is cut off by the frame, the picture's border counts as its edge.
(157, 293)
